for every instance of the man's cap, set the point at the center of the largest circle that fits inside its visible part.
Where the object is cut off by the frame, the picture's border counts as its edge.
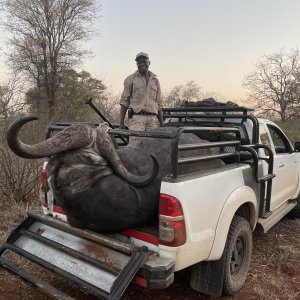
(141, 54)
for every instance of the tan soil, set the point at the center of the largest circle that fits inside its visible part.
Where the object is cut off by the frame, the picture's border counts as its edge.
(274, 271)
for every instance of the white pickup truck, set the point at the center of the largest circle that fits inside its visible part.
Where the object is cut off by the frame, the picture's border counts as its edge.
(206, 219)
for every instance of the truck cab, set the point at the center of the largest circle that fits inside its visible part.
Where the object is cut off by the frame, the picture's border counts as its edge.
(286, 163)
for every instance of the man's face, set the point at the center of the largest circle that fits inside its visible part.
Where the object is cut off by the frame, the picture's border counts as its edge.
(143, 64)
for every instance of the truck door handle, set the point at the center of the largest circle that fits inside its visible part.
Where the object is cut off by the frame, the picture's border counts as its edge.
(281, 165)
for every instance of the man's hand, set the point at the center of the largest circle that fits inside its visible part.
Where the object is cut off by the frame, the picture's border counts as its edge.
(122, 126)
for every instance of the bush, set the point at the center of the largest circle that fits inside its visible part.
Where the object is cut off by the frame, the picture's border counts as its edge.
(291, 128)
(19, 177)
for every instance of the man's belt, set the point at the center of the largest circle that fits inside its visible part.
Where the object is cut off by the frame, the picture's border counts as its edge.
(145, 113)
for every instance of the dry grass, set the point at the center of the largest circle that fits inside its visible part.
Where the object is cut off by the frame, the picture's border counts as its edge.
(10, 214)
(275, 267)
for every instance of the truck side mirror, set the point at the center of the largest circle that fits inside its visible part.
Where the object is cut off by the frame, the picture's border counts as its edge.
(297, 147)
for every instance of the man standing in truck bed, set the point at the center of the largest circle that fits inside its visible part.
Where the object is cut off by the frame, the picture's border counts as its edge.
(142, 97)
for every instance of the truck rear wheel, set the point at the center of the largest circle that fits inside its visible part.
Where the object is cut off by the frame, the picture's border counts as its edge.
(238, 250)
(228, 274)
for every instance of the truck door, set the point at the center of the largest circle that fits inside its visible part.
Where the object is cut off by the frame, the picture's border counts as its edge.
(285, 166)
(265, 139)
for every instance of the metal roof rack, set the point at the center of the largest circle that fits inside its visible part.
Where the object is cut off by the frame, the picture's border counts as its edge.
(223, 112)
(205, 109)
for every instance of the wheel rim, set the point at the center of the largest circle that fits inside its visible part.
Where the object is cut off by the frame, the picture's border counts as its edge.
(237, 256)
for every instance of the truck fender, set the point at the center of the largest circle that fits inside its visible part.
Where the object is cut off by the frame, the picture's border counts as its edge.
(236, 199)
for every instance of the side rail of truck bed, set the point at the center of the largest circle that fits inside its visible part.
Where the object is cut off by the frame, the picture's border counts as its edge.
(227, 149)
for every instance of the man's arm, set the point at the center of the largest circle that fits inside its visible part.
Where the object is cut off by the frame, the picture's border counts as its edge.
(123, 111)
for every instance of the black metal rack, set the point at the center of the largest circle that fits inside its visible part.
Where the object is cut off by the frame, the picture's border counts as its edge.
(221, 108)
(264, 181)
(176, 147)
(221, 112)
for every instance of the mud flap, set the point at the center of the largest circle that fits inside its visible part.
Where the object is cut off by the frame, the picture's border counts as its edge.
(207, 277)
(99, 264)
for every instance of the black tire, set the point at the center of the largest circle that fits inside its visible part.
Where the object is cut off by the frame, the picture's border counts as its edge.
(238, 251)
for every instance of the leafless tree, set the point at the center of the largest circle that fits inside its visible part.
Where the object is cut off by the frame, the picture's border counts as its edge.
(10, 92)
(274, 85)
(45, 38)
(18, 177)
(179, 94)
(189, 92)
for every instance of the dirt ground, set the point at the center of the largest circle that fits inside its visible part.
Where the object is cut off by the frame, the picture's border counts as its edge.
(274, 271)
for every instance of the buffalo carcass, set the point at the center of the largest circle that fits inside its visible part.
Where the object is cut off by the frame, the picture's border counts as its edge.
(99, 187)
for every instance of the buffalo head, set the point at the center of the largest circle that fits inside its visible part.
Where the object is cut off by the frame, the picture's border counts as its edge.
(92, 143)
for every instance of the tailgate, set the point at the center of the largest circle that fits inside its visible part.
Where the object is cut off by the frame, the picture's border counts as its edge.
(102, 265)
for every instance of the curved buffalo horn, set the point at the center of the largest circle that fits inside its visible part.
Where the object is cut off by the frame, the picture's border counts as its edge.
(106, 149)
(72, 137)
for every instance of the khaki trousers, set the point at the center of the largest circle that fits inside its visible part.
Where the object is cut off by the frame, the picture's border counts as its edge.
(143, 122)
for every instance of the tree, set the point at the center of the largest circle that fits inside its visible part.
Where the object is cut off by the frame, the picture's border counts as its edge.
(179, 94)
(45, 39)
(274, 85)
(18, 178)
(75, 88)
(6, 95)
(9, 94)
(190, 92)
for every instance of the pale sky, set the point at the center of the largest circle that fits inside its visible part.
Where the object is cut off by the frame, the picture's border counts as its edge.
(213, 42)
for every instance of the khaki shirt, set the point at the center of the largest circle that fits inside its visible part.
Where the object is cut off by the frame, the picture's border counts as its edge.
(144, 97)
